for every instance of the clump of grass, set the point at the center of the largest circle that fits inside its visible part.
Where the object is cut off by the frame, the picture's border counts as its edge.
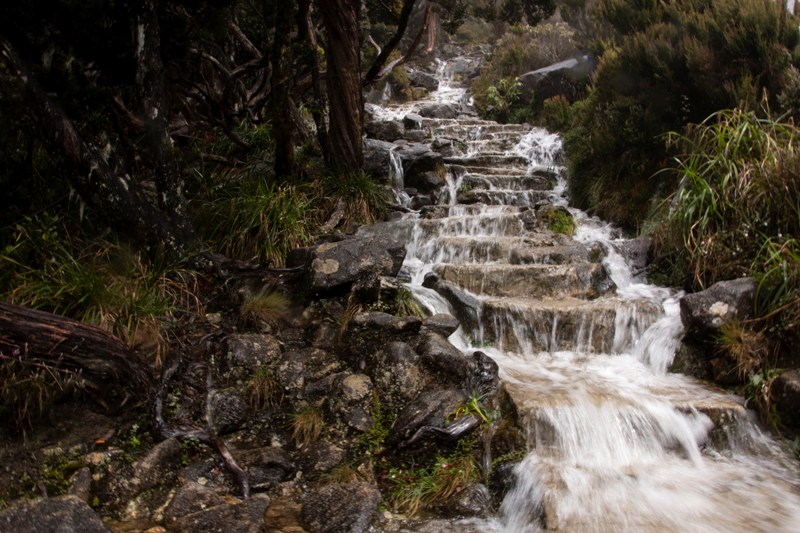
(414, 489)
(745, 345)
(307, 424)
(263, 389)
(252, 218)
(267, 306)
(345, 473)
(407, 305)
(366, 200)
(474, 406)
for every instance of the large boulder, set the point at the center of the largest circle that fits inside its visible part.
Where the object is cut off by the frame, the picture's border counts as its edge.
(704, 312)
(423, 169)
(369, 333)
(377, 160)
(340, 507)
(385, 130)
(785, 395)
(419, 78)
(568, 78)
(334, 267)
(62, 513)
(439, 111)
(429, 410)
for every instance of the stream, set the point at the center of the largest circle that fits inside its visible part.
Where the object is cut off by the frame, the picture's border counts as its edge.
(615, 442)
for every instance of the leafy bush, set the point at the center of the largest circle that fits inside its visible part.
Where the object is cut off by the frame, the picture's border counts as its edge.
(737, 213)
(668, 64)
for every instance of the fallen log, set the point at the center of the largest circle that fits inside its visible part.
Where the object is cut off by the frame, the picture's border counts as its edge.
(112, 372)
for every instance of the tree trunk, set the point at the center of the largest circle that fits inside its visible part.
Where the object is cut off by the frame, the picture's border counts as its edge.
(109, 190)
(345, 101)
(111, 370)
(306, 36)
(157, 143)
(283, 126)
(376, 71)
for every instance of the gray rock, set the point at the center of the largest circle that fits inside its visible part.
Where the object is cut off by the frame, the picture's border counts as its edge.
(785, 395)
(385, 130)
(248, 352)
(422, 79)
(351, 401)
(368, 333)
(163, 457)
(473, 500)
(446, 360)
(377, 158)
(438, 111)
(704, 312)
(485, 377)
(340, 507)
(442, 323)
(422, 170)
(81, 484)
(333, 267)
(267, 466)
(412, 121)
(191, 498)
(322, 457)
(465, 306)
(63, 514)
(430, 408)
(398, 376)
(244, 517)
(635, 251)
(227, 410)
(568, 78)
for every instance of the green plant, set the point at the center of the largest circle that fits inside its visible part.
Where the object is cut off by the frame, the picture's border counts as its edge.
(557, 220)
(407, 305)
(263, 389)
(365, 200)
(747, 346)
(415, 488)
(134, 437)
(473, 407)
(250, 217)
(307, 424)
(373, 438)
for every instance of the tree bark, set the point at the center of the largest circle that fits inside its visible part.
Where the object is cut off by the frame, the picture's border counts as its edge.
(112, 371)
(283, 126)
(306, 35)
(345, 100)
(113, 193)
(377, 71)
(157, 142)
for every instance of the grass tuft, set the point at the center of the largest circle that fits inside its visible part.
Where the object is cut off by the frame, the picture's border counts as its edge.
(307, 424)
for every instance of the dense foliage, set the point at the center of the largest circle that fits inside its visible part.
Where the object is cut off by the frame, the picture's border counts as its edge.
(667, 65)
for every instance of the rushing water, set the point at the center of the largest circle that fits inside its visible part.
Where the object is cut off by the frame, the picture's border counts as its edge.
(615, 441)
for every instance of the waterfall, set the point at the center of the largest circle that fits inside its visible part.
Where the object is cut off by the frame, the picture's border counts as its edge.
(615, 441)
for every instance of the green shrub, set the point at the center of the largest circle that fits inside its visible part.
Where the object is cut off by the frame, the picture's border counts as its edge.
(366, 201)
(737, 213)
(666, 65)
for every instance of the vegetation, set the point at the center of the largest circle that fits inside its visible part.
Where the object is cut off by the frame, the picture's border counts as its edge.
(263, 389)
(666, 65)
(737, 213)
(307, 424)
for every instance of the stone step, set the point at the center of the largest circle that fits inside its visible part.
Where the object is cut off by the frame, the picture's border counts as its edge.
(602, 325)
(580, 280)
(490, 159)
(502, 197)
(503, 224)
(538, 248)
(537, 182)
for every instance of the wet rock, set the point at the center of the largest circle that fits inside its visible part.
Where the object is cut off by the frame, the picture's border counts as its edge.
(429, 408)
(227, 410)
(351, 401)
(635, 251)
(322, 457)
(473, 500)
(423, 169)
(385, 130)
(397, 376)
(163, 457)
(446, 360)
(465, 306)
(377, 160)
(443, 324)
(485, 377)
(81, 484)
(438, 111)
(247, 352)
(367, 334)
(340, 507)
(704, 312)
(419, 78)
(267, 466)
(429, 436)
(333, 267)
(785, 395)
(62, 513)
(244, 517)
(568, 78)
(430, 281)
(502, 479)
(412, 121)
(190, 498)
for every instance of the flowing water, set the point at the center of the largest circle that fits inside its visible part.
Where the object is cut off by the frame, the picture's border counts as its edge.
(615, 441)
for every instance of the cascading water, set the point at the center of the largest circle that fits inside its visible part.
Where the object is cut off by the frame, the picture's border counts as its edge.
(615, 442)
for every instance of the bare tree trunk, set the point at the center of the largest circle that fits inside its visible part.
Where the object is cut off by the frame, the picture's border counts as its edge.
(150, 79)
(112, 192)
(345, 100)
(111, 370)
(306, 35)
(283, 126)
(376, 71)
